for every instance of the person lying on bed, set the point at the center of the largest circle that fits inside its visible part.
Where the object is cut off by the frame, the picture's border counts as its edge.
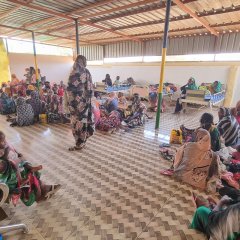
(21, 177)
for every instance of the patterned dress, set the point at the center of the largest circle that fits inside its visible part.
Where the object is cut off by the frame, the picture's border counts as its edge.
(25, 113)
(79, 94)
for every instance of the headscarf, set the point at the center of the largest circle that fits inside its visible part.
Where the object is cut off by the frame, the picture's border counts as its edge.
(4, 95)
(225, 111)
(25, 114)
(31, 88)
(80, 62)
(217, 88)
(193, 85)
(193, 161)
(35, 102)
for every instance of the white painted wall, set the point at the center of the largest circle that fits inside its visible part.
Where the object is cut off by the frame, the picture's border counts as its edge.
(150, 74)
(55, 68)
(236, 96)
(177, 74)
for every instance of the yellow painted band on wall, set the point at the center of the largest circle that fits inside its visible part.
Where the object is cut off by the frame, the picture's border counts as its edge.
(4, 64)
(164, 51)
(231, 84)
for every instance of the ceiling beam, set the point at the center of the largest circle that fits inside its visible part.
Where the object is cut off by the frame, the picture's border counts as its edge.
(79, 10)
(5, 14)
(152, 35)
(40, 33)
(202, 21)
(212, 12)
(148, 8)
(94, 5)
(127, 6)
(43, 9)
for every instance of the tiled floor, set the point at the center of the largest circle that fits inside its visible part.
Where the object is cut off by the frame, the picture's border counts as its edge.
(111, 190)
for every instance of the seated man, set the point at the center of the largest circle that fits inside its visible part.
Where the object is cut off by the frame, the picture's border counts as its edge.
(22, 179)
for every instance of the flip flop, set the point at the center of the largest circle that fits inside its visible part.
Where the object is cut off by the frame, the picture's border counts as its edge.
(167, 172)
(54, 189)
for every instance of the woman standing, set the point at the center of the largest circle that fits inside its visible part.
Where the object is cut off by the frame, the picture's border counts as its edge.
(79, 93)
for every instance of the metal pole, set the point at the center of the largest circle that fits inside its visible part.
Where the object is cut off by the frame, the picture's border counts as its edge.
(35, 59)
(164, 51)
(6, 41)
(77, 36)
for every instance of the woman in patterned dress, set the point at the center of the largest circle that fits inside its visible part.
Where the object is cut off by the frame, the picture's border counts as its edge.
(79, 93)
(25, 114)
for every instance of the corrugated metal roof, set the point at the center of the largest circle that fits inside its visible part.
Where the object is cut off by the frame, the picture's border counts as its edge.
(115, 20)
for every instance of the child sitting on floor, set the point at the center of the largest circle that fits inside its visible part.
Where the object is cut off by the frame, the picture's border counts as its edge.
(22, 179)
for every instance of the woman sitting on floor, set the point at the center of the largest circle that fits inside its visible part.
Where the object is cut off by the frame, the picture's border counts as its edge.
(7, 104)
(206, 122)
(25, 114)
(219, 221)
(138, 110)
(195, 163)
(36, 104)
(228, 127)
(22, 179)
(191, 85)
(109, 123)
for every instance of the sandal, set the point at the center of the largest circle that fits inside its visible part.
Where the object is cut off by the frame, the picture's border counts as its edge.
(54, 189)
(77, 148)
